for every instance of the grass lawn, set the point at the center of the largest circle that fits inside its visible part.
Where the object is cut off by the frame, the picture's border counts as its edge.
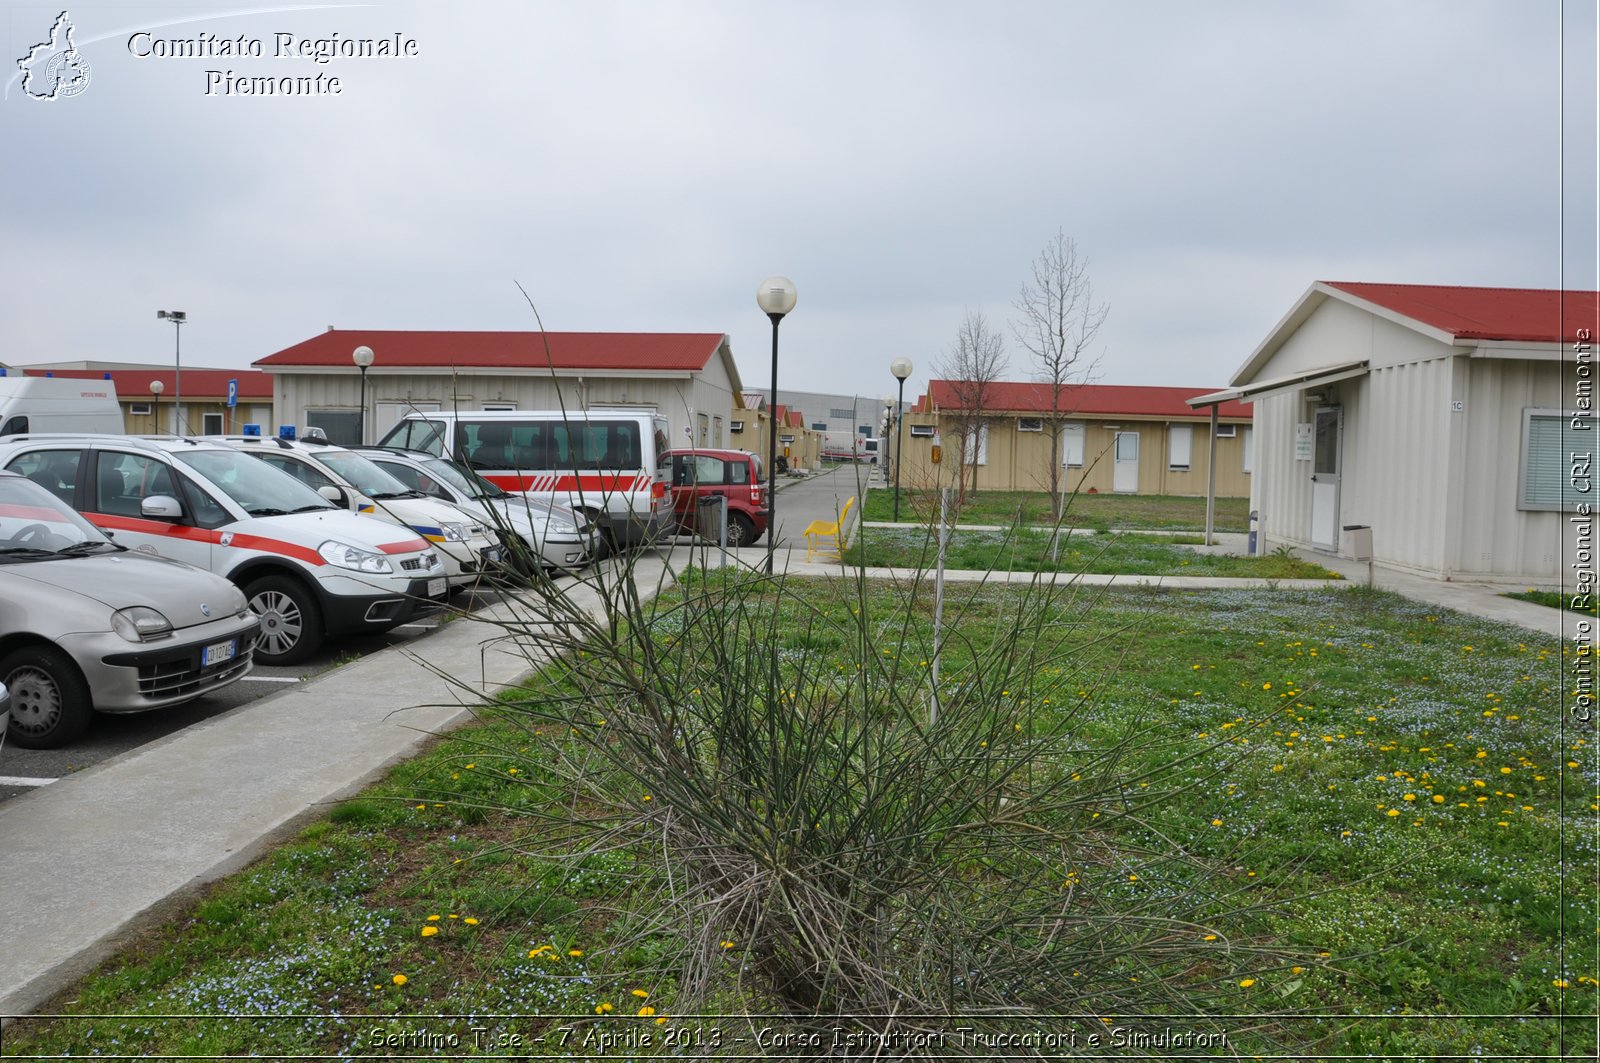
(1029, 551)
(1151, 512)
(1397, 788)
(1576, 603)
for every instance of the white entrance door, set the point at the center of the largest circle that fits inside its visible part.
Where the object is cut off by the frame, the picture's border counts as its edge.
(1125, 466)
(1325, 456)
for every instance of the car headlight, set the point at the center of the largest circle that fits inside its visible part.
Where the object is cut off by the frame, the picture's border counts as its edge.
(454, 533)
(561, 527)
(344, 555)
(140, 623)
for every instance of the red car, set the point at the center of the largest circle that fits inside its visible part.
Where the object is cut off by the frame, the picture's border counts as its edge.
(705, 473)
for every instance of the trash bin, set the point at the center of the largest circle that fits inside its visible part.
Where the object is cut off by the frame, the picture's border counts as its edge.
(1359, 539)
(708, 517)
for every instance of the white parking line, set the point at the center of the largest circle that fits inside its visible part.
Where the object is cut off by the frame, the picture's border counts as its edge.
(22, 780)
(273, 678)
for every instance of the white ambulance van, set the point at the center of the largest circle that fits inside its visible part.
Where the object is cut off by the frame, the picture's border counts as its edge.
(56, 404)
(605, 464)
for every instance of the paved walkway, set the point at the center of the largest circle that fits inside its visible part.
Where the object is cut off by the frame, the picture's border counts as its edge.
(87, 861)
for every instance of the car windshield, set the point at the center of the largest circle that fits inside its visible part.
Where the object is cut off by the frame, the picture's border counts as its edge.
(35, 524)
(364, 473)
(258, 488)
(469, 483)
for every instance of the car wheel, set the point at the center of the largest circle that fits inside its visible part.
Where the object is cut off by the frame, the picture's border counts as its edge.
(291, 623)
(50, 704)
(741, 530)
(604, 547)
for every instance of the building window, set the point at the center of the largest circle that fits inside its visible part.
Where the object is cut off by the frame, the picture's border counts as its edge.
(842, 415)
(340, 426)
(819, 426)
(1227, 431)
(499, 406)
(735, 427)
(1180, 444)
(703, 426)
(1249, 449)
(1555, 462)
(1072, 444)
(211, 424)
(1030, 424)
(716, 431)
(786, 440)
(139, 409)
(922, 431)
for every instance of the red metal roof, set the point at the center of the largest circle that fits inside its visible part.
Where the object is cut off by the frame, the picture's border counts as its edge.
(1107, 400)
(134, 384)
(1537, 315)
(668, 351)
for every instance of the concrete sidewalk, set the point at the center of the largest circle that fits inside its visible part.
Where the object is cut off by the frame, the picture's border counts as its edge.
(88, 861)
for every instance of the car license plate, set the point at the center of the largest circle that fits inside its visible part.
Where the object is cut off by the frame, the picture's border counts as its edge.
(435, 587)
(218, 652)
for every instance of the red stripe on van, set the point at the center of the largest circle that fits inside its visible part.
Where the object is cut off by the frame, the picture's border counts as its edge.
(598, 483)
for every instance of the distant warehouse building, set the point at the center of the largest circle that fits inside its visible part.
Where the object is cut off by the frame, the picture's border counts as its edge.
(689, 378)
(1113, 438)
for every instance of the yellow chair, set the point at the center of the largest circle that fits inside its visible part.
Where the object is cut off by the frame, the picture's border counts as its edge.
(819, 533)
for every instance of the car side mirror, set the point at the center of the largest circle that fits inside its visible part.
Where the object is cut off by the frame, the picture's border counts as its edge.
(335, 494)
(161, 507)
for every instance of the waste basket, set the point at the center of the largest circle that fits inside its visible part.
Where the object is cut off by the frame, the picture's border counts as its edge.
(709, 519)
(1358, 538)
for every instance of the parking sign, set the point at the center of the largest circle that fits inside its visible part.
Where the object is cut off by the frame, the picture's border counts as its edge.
(233, 393)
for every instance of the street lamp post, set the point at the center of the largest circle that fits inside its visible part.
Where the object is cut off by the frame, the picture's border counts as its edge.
(177, 317)
(776, 297)
(156, 388)
(363, 357)
(901, 368)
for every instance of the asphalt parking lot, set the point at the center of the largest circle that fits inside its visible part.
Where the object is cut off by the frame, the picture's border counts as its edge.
(25, 770)
(22, 770)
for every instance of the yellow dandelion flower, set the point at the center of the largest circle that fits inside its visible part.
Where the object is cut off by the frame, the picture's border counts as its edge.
(574, 952)
(1392, 812)
(1210, 937)
(399, 979)
(1246, 983)
(1216, 823)
(603, 1007)
(646, 1011)
(433, 918)
(429, 931)
(640, 993)
(470, 921)
(727, 944)
(1409, 797)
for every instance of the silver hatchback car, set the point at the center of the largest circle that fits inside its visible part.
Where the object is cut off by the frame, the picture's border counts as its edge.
(86, 624)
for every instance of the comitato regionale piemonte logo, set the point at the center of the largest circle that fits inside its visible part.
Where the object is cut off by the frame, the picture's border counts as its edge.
(54, 68)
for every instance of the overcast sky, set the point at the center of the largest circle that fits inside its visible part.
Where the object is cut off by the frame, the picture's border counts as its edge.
(642, 166)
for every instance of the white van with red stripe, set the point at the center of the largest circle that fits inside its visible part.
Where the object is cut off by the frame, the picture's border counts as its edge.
(309, 569)
(603, 463)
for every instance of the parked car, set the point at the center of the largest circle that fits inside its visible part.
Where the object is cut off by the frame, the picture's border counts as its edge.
(308, 568)
(88, 624)
(346, 478)
(599, 462)
(700, 473)
(5, 713)
(553, 536)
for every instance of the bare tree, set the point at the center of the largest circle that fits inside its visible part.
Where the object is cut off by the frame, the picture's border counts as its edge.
(1058, 321)
(971, 367)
